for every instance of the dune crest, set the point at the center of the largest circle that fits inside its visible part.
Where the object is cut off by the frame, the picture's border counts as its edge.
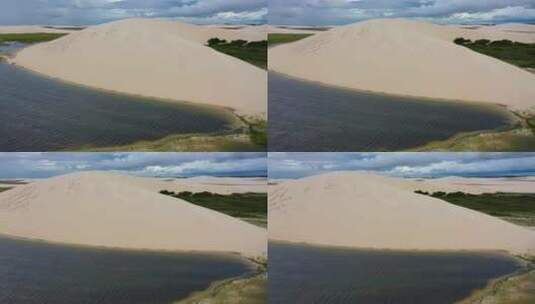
(405, 57)
(155, 58)
(114, 210)
(366, 210)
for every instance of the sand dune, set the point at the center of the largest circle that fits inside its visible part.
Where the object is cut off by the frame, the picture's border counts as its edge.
(475, 185)
(221, 185)
(113, 210)
(367, 210)
(407, 58)
(155, 58)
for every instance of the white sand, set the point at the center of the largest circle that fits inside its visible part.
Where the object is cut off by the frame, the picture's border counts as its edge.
(155, 58)
(113, 210)
(408, 58)
(366, 210)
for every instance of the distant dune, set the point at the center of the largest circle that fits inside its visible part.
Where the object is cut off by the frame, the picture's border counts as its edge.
(413, 58)
(366, 210)
(155, 58)
(113, 210)
(25, 29)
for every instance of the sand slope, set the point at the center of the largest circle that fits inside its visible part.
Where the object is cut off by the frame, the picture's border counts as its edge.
(367, 210)
(407, 58)
(112, 210)
(155, 58)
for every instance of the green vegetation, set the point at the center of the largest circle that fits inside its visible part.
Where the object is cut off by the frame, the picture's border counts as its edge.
(285, 38)
(216, 142)
(517, 288)
(30, 37)
(2, 189)
(258, 132)
(251, 290)
(516, 53)
(518, 137)
(254, 52)
(251, 207)
(518, 208)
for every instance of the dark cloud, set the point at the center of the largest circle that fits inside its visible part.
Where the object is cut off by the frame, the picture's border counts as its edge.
(26, 165)
(324, 12)
(291, 165)
(80, 12)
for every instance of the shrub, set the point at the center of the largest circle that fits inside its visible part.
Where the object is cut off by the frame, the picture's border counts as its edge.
(238, 42)
(482, 42)
(503, 42)
(462, 41)
(216, 41)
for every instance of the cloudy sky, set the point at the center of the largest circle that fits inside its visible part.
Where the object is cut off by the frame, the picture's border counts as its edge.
(85, 12)
(295, 165)
(38, 165)
(327, 12)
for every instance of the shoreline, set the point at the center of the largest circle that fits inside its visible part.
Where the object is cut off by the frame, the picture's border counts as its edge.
(517, 120)
(507, 138)
(385, 94)
(237, 129)
(236, 138)
(147, 98)
(503, 253)
(496, 290)
(228, 254)
(216, 292)
(494, 287)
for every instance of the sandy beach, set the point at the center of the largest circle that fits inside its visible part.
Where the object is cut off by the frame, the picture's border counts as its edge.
(413, 58)
(155, 58)
(121, 211)
(366, 210)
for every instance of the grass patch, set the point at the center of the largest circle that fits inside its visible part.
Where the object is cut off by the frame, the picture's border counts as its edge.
(250, 206)
(239, 142)
(251, 290)
(2, 189)
(517, 288)
(30, 37)
(518, 137)
(516, 53)
(254, 52)
(258, 132)
(285, 38)
(518, 208)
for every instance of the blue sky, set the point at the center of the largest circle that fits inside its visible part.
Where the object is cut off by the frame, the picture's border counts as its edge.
(295, 165)
(85, 12)
(38, 165)
(334, 12)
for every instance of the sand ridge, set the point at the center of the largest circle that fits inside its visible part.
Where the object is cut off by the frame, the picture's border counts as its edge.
(367, 210)
(155, 58)
(405, 57)
(115, 210)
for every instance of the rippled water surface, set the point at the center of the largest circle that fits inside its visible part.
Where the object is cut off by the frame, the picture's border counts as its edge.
(37, 273)
(306, 116)
(42, 114)
(318, 275)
